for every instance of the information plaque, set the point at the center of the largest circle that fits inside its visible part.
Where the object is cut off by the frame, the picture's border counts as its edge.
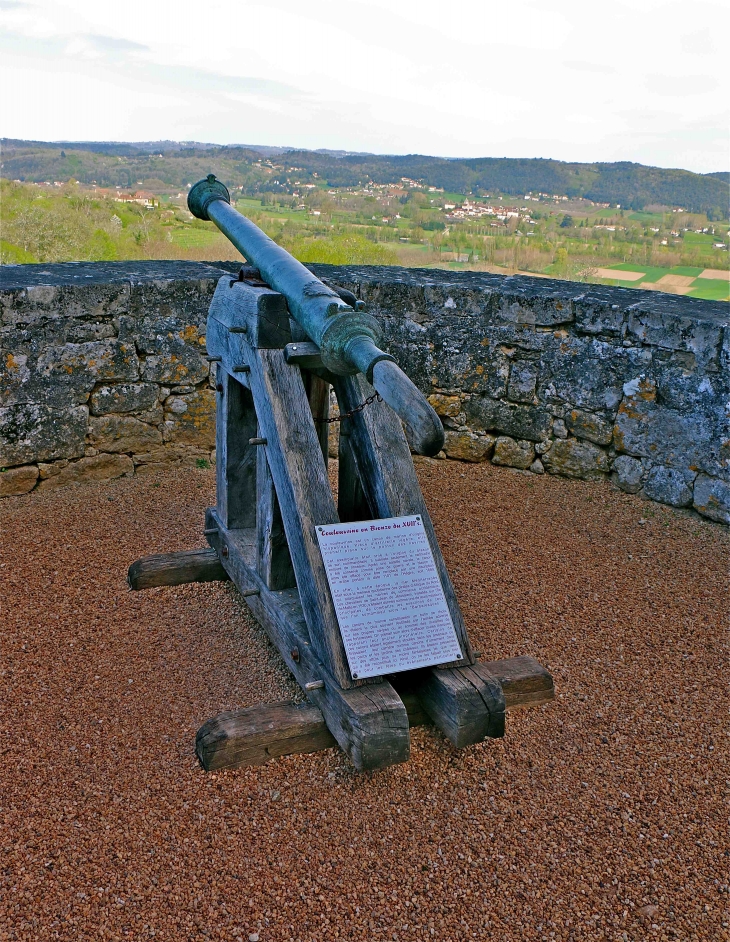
(388, 596)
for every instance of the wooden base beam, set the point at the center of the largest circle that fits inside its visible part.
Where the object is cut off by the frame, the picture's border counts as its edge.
(201, 565)
(256, 734)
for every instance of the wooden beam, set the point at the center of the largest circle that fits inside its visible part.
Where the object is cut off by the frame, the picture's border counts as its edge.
(466, 703)
(273, 559)
(300, 477)
(256, 734)
(369, 721)
(389, 479)
(200, 565)
(235, 458)
(259, 733)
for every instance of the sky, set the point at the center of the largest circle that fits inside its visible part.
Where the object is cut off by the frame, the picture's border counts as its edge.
(645, 80)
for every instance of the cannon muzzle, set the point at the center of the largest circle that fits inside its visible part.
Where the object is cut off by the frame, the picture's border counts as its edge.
(349, 339)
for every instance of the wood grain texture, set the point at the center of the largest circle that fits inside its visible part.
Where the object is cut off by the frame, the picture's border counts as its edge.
(369, 722)
(466, 703)
(303, 353)
(258, 311)
(318, 394)
(235, 467)
(273, 558)
(200, 565)
(302, 486)
(256, 734)
(524, 681)
(389, 479)
(351, 502)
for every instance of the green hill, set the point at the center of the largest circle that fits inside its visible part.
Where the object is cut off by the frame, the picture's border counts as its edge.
(260, 169)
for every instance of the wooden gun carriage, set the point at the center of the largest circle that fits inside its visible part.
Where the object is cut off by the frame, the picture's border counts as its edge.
(280, 339)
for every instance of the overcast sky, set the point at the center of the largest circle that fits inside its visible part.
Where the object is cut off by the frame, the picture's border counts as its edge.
(643, 80)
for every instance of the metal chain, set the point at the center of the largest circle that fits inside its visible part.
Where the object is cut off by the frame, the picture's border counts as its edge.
(376, 397)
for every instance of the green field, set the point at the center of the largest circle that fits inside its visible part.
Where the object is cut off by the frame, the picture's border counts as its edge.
(708, 289)
(351, 225)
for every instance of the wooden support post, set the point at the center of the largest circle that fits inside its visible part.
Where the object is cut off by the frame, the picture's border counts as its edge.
(256, 734)
(351, 502)
(389, 479)
(318, 394)
(302, 486)
(235, 467)
(466, 703)
(273, 559)
(201, 565)
(369, 722)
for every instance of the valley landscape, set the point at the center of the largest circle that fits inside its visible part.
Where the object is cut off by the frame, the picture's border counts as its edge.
(620, 224)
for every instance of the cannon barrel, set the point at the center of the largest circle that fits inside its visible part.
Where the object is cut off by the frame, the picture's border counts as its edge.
(349, 339)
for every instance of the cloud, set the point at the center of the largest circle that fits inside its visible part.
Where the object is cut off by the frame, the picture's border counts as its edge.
(113, 44)
(13, 4)
(96, 46)
(678, 86)
(581, 66)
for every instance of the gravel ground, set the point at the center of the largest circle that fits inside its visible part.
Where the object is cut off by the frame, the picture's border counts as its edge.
(599, 816)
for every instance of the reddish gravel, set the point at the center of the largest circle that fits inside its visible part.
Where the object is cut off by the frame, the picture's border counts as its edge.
(599, 816)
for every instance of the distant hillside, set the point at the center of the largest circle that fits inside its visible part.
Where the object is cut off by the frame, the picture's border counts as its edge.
(174, 164)
(723, 175)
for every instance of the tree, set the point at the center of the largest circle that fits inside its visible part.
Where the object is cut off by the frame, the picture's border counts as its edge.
(567, 222)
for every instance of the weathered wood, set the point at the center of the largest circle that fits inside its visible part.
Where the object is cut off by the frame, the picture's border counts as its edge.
(200, 565)
(389, 479)
(253, 735)
(258, 312)
(369, 722)
(524, 681)
(466, 703)
(303, 353)
(318, 394)
(351, 502)
(273, 559)
(259, 733)
(305, 497)
(235, 467)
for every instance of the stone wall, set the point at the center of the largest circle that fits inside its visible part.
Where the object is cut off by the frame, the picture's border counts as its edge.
(102, 373)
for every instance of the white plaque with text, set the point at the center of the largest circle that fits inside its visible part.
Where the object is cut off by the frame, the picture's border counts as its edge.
(388, 596)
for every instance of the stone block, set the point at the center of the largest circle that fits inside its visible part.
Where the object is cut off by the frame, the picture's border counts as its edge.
(627, 474)
(467, 446)
(577, 459)
(170, 456)
(122, 433)
(595, 316)
(522, 381)
(33, 431)
(537, 312)
(671, 331)
(513, 454)
(646, 429)
(445, 405)
(512, 419)
(96, 468)
(537, 467)
(589, 426)
(712, 498)
(669, 486)
(181, 366)
(85, 364)
(124, 397)
(190, 420)
(15, 481)
(590, 373)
